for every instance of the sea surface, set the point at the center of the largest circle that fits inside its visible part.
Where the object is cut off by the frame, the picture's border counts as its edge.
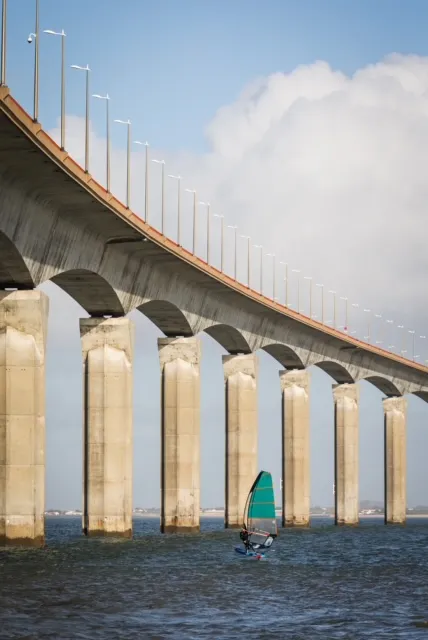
(325, 582)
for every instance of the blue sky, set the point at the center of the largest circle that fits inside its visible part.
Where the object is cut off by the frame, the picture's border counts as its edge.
(169, 66)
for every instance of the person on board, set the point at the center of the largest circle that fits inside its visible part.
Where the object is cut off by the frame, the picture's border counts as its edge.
(244, 535)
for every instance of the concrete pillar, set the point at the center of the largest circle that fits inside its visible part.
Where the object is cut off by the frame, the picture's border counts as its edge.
(346, 438)
(180, 435)
(107, 347)
(23, 329)
(240, 376)
(395, 459)
(295, 448)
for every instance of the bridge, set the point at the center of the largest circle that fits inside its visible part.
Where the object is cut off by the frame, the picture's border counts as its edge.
(57, 223)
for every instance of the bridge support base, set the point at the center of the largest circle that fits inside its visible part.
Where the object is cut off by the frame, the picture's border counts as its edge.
(240, 376)
(180, 435)
(23, 328)
(295, 448)
(107, 347)
(346, 440)
(395, 459)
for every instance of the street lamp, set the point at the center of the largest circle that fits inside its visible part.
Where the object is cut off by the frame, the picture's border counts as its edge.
(87, 70)
(216, 215)
(236, 248)
(207, 205)
(401, 326)
(368, 325)
(260, 246)
(413, 344)
(272, 255)
(389, 322)
(298, 288)
(379, 315)
(345, 326)
(162, 162)
(146, 181)
(178, 178)
(310, 293)
(322, 301)
(285, 281)
(128, 162)
(62, 34)
(3, 44)
(248, 258)
(35, 35)
(423, 338)
(334, 307)
(107, 99)
(355, 305)
(194, 218)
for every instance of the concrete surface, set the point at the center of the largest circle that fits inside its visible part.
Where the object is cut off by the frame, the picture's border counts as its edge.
(107, 347)
(240, 376)
(296, 448)
(180, 434)
(23, 329)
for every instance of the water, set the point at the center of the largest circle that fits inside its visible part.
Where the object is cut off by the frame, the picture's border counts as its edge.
(367, 582)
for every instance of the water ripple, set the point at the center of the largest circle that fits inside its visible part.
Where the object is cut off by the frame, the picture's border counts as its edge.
(326, 582)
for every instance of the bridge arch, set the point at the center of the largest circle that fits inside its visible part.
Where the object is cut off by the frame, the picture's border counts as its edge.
(14, 273)
(93, 292)
(229, 338)
(336, 370)
(167, 317)
(383, 384)
(423, 395)
(284, 355)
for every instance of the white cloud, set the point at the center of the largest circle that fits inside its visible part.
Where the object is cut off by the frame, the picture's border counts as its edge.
(327, 171)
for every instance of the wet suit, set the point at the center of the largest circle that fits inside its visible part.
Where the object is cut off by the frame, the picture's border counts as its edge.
(243, 534)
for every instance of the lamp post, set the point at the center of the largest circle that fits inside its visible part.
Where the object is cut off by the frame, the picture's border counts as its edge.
(236, 249)
(260, 246)
(216, 215)
(3, 44)
(128, 162)
(387, 336)
(285, 281)
(298, 288)
(107, 100)
(178, 178)
(146, 181)
(401, 326)
(322, 301)
(272, 255)
(310, 293)
(379, 315)
(62, 34)
(35, 35)
(87, 70)
(194, 219)
(345, 326)
(248, 258)
(162, 163)
(334, 307)
(368, 325)
(356, 306)
(208, 206)
(423, 338)
(413, 344)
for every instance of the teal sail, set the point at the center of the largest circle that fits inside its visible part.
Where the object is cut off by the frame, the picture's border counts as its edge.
(259, 515)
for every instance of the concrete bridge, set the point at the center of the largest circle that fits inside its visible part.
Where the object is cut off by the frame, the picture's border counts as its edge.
(57, 223)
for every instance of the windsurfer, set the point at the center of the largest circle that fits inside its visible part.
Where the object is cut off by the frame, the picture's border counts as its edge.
(244, 535)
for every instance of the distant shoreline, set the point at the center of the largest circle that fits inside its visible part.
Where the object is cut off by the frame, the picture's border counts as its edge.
(219, 514)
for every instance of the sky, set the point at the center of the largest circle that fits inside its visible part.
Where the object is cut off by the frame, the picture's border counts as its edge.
(311, 117)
